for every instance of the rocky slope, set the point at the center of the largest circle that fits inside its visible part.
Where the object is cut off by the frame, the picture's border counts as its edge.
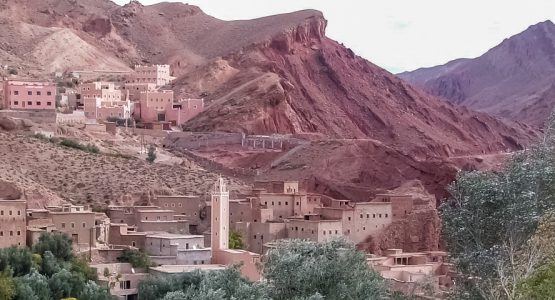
(46, 174)
(512, 80)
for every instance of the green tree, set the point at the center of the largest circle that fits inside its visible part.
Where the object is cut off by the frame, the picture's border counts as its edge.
(236, 240)
(151, 155)
(56, 242)
(61, 284)
(136, 258)
(227, 284)
(7, 287)
(81, 265)
(540, 284)
(91, 291)
(335, 270)
(18, 260)
(32, 286)
(50, 264)
(490, 219)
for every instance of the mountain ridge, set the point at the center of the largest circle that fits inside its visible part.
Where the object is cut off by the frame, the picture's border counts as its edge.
(511, 80)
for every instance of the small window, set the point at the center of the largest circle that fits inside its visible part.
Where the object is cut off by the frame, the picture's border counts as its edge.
(254, 237)
(374, 216)
(29, 93)
(1, 233)
(49, 103)
(324, 232)
(368, 216)
(133, 243)
(286, 203)
(18, 232)
(84, 224)
(49, 93)
(279, 202)
(38, 93)
(361, 216)
(11, 233)
(29, 103)
(1, 212)
(72, 225)
(19, 212)
(380, 215)
(349, 218)
(38, 103)
(165, 205)
(16, 92)
(363, 228)
(10, 212)
(180, 204)
(63, 225)
(386, 215)
(16, 103)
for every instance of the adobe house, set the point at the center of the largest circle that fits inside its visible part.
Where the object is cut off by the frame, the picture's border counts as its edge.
(152, 106)
(29, 95)
(12, 223)
(177, 249)
(121, 279)
(156, 74)
(187, 206)
(407, 271)
(313, 227)
(77, 221)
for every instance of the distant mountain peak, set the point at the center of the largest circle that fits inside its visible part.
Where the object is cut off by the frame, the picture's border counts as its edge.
(509, 80)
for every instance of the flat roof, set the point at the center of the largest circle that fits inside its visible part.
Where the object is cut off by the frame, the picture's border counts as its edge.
(155, 210)
(18, 200)
(172, 269)
(173, 236)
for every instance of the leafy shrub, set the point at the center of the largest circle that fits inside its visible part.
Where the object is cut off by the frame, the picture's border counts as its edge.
(136, 258)
(151, 156)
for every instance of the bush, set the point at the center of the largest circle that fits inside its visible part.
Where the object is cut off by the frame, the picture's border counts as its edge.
(56, 242)
(136, 258)
(91, 148)
(151, 156)
(236, 240)
(71, 144)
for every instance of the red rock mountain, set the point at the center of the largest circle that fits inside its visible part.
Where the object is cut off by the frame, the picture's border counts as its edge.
(514, 79)
(277, 74)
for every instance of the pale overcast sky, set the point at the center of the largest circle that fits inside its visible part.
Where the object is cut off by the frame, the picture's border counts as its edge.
(402, 35)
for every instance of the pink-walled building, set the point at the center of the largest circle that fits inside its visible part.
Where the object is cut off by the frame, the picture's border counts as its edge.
(157, 74)
(184, 110)
(106, 91)
(31, 95)
(96, 108)
(152, 106)
(133, 90)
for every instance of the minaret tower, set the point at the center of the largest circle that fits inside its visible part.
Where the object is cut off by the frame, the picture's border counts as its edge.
(220, 216)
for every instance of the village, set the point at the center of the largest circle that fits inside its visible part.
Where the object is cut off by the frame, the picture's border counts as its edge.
(183, 233)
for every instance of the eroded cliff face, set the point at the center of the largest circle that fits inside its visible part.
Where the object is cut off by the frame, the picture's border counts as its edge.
(300, 81)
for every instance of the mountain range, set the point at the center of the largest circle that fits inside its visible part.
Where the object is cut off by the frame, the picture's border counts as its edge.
(277, 74)
(514, 79)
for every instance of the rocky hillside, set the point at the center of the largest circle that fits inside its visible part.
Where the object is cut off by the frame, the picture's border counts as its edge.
(512, 80)
(46, 173)
(277, 74)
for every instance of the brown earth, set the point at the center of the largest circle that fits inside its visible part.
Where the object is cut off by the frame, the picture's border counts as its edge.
(513, 80)
(48, 173)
